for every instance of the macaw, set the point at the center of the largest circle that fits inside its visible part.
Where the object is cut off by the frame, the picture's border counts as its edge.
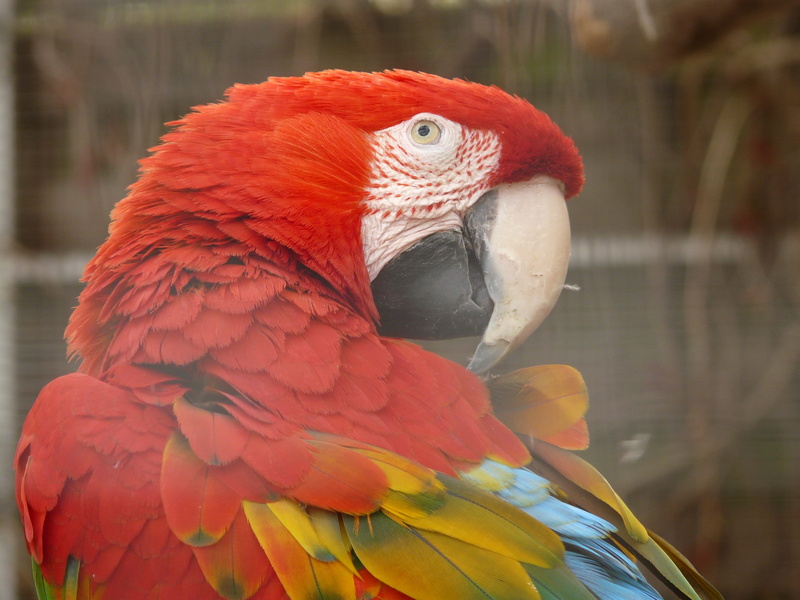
(246, 422)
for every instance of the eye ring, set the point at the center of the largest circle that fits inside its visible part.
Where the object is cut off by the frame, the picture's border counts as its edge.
(425, 132)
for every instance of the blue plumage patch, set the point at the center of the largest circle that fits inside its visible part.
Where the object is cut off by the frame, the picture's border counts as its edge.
(592, 555)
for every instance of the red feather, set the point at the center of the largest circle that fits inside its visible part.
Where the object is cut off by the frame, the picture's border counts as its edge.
(251, 353)
(168, 346)
(198, 506)
(283, 463)
(215, 437)
(341, 480)
(216, 329)
(180, 311)
(283, 315)
(310, 361)
(245, 295)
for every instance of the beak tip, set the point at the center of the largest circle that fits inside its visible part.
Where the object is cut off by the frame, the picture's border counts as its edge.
(487, 356)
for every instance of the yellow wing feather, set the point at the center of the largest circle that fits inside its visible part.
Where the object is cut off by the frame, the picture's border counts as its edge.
(481, 519)
(303, 576)
(432, 566)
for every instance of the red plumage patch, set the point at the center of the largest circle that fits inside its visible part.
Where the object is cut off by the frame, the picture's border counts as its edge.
(88, 450)
(341, 481)
(309, 362)
(179, 311)
(214, 436)
(252, 353)
(148, 385)
(244, 294)
(158, 566)
(283, 315)
(215, 329)
(246, 483)
(366, 357)
(168, 347)
(192, 257)
(283, 463)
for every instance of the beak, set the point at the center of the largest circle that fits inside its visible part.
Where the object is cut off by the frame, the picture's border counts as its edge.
(521, 237)
(500, 275)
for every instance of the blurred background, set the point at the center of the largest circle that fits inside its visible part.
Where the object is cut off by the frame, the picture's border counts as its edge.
(686, 265)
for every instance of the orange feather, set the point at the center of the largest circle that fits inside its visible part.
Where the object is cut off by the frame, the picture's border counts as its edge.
(547, 402)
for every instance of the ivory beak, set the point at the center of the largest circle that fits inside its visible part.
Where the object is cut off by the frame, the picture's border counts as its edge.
(522, 239)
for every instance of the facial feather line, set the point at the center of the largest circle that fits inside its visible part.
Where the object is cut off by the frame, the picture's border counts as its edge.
(415, 190)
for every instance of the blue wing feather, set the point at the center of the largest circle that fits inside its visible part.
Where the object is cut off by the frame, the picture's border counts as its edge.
(592, 555)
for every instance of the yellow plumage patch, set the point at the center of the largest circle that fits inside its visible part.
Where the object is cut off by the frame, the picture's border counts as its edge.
(303, 576)
(329, 529)
(296, 520)
(432, 566)
(484, 521)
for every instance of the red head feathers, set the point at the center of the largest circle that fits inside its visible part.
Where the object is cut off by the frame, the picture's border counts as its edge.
(284, 171)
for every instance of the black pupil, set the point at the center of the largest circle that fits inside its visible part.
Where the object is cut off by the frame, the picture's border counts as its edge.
(424, 130)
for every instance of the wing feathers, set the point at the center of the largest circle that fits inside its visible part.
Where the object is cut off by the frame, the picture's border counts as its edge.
(340, 480)
(589, 479)
(215, 437)
(428, 536)
(296, 521)
(481, 519)
(303, 576)
(431, 566)
(328, 528)
(258, 501)
(587, 488)
(675, 558)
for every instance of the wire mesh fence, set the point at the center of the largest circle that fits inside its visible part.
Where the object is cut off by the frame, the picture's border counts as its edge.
(682, 312)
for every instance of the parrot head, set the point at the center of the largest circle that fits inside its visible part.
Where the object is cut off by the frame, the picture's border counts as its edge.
(433, 207)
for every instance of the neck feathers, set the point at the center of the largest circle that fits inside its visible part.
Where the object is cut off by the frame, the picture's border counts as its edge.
(220, 201)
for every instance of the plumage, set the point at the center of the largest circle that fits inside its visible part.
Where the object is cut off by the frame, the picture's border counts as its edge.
(429, 565)
(297, 553)
(198, 506)
(239, 428)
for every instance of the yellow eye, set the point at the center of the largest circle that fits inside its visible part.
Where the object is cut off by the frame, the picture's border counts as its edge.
(425, 132)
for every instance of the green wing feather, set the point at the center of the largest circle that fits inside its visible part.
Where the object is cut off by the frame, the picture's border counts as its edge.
(586, 488)
(558, 583)
(44, 591)
(546, 403)
(67, 591)
(697, 581)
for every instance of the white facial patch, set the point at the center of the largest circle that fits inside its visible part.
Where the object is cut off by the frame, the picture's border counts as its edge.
(427, 172)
